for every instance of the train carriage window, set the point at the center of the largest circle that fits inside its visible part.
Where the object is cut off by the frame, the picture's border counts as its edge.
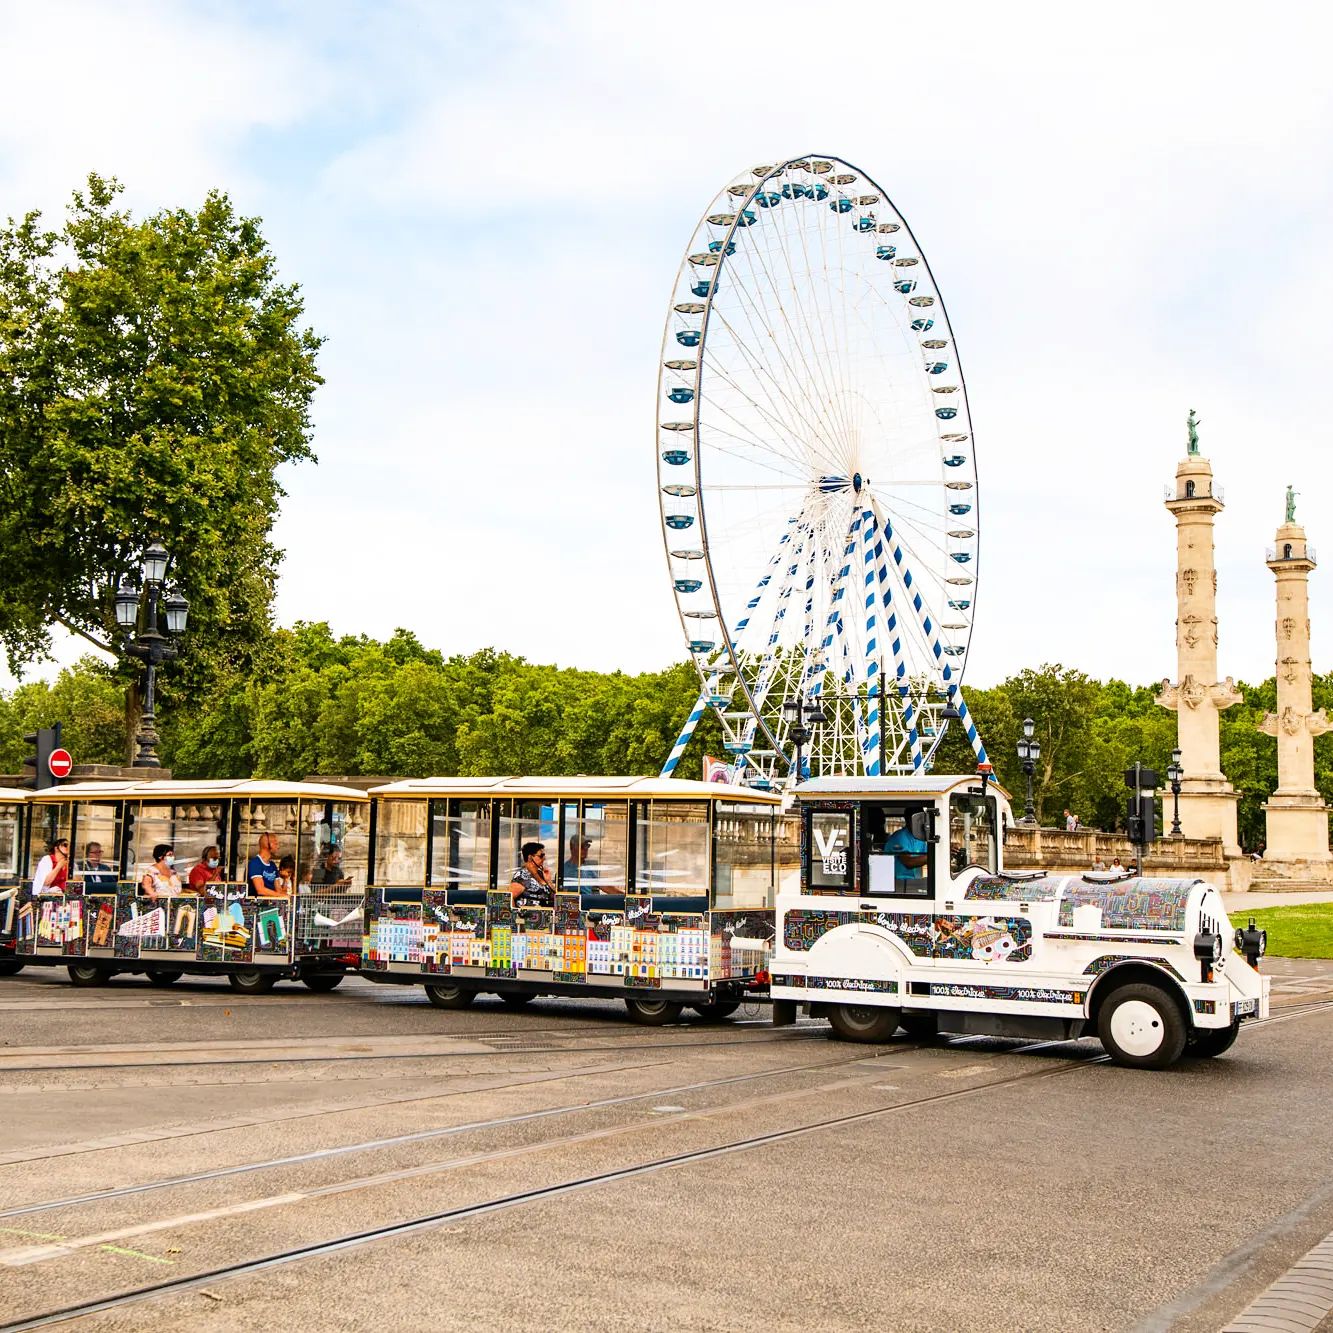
(896, 844)
(188, 828)
(333, 846)
(95, 862)
(832, 864)
(9, 840)
(671, 850)
(530, 821)
(48, 822)
(972, 834)
(595, 854)
(743, 855)
(460, 850)
(400, 843)
(278, 818)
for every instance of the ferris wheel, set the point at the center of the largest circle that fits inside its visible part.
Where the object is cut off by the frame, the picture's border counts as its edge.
(816, 477)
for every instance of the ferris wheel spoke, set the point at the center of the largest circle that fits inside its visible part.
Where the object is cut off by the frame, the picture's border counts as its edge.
(764, 373)
(828, 401)
(767, 413)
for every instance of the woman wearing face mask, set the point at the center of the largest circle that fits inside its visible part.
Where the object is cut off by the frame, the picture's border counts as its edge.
(208, 871)
(160, 880)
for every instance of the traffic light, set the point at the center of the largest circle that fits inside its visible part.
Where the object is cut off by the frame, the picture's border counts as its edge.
(1141, 808)
(44, 741)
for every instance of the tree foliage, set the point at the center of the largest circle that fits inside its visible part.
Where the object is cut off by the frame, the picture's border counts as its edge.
(356, 706)
(153, 376)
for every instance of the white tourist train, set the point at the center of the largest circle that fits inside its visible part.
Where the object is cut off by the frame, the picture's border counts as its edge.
(905, 917)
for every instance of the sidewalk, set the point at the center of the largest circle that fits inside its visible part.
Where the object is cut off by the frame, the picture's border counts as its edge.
(1236, 903)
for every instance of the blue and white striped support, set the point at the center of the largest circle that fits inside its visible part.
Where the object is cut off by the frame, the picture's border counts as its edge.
(900, 665)
(870, 741)
(768, 665)
(691, 722)
(683, 740)
(952, 691)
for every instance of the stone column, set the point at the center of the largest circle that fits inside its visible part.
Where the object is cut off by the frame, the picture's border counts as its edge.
(1296, 816)
(1207, 799)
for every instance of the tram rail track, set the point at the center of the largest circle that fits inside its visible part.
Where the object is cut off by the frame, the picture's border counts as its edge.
(520, 1198)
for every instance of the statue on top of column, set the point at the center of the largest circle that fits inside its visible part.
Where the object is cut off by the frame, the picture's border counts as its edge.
(1192, 425)
(1291, 505)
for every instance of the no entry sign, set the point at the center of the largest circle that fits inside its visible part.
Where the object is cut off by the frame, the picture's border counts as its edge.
(60, 763)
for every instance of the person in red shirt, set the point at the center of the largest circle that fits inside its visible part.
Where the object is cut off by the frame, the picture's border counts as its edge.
(208, 871)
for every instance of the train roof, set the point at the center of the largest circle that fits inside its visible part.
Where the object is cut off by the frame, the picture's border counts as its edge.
(927, 784)
(241, 789)
(608, 788)
(14, 793)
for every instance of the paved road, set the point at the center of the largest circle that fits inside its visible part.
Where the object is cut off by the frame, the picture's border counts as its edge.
(584, 1173)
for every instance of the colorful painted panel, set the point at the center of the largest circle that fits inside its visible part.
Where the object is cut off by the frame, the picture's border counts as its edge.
(1000, 889)
(1108, 960)
(1136, 904)
(987, 939)
(740, 944)
(394, 935)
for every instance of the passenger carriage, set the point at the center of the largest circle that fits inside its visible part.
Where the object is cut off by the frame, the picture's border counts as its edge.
(104, 923)
(13, 805)
(663, 895)
(904, 916)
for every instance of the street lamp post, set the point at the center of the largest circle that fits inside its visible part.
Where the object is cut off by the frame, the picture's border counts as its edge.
(1029, 751)
(149, 645)
(801, 719)
(1175, 775)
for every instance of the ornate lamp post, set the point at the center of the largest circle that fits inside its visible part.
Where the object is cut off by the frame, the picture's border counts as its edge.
(802, 718)
(149, 645)
(1175, 775)
(1029, 751)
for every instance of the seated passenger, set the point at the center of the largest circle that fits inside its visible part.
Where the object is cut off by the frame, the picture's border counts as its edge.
(286, 880)
(53, 869)
(96, 875)
(330, 872)
(160, 880)
(532, 884)
(261, 872)
(208, 871)
(571, 873)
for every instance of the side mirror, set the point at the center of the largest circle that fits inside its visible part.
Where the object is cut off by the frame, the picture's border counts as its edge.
(918, 825)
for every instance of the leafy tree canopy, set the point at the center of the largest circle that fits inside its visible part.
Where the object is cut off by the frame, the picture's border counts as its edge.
(153, 376)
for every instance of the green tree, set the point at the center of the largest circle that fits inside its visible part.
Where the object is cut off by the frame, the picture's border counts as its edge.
(84, 698)
(154, 374)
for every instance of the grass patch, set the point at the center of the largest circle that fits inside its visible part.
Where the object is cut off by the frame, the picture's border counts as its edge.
(1304, 930)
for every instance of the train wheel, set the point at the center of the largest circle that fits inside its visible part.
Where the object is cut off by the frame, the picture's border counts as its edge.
(252, 983)
(1141, 1027)
(718, 1010)
(9, 967)
(516, 999)
(652, 1013)
(323, 981)
(445, 996)
(861, 1022)
(1204, 1043)
(164, 978)
(88, 974)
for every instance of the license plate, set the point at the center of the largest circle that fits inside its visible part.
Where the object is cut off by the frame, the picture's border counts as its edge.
(1242, 1007)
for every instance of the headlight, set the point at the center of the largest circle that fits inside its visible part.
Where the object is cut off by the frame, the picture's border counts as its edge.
(1207, 947)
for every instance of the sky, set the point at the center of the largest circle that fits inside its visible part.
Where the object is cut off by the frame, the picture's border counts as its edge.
(1126, 210)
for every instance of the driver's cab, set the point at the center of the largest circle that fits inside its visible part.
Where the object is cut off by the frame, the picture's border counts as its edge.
(901, 839)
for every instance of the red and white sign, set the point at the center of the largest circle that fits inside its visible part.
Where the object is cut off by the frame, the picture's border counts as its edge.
(60, 763)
